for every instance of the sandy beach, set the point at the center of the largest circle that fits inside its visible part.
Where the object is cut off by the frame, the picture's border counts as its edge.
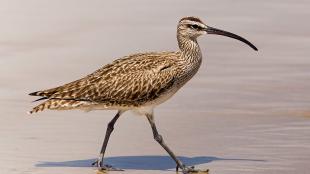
(245, 112)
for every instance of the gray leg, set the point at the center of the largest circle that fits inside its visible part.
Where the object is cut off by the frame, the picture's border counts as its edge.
(110, 129)
(160, 140)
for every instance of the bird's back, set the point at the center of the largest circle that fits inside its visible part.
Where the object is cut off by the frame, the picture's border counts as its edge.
(128, 82)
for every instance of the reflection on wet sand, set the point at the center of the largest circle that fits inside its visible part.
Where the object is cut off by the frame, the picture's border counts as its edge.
(143, 162)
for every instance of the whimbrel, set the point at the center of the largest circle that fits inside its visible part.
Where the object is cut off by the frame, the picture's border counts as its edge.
(137, 82)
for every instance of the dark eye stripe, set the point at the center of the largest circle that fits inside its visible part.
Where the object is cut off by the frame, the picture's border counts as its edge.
(194, 26)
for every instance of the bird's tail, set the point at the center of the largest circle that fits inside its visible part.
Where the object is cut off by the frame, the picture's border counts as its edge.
(58, 104)
(45, 105)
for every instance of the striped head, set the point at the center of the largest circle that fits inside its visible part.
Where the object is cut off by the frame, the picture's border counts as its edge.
(192, 27)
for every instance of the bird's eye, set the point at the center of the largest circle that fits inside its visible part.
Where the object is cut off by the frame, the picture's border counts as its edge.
(194, 26)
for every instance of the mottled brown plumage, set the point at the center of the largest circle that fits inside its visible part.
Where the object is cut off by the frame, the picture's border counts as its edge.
(137, 82)
(128, 82)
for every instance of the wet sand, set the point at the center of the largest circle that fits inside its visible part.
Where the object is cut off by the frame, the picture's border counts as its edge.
(245, 112)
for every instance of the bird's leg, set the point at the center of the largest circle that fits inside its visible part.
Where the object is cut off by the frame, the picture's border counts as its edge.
(110, 128)
(160, 140)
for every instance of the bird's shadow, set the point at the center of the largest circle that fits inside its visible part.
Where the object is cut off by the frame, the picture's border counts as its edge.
(141, 162)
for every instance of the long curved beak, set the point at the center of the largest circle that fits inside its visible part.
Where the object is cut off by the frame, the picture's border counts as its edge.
(211, 30)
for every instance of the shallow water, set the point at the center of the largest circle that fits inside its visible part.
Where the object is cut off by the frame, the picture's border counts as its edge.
(244, 112)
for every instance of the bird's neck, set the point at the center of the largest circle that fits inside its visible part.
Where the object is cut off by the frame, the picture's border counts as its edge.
(190, 59)
(190, 50)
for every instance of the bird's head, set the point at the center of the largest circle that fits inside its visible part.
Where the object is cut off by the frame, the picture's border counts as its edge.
(192, 27)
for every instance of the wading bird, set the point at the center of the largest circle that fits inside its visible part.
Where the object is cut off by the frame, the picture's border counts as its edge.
(137, 82)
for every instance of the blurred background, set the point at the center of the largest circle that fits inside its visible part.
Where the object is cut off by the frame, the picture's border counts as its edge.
(244, 112)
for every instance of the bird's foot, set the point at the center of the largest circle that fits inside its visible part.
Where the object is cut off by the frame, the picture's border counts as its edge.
(190, 170)
(104, 167)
